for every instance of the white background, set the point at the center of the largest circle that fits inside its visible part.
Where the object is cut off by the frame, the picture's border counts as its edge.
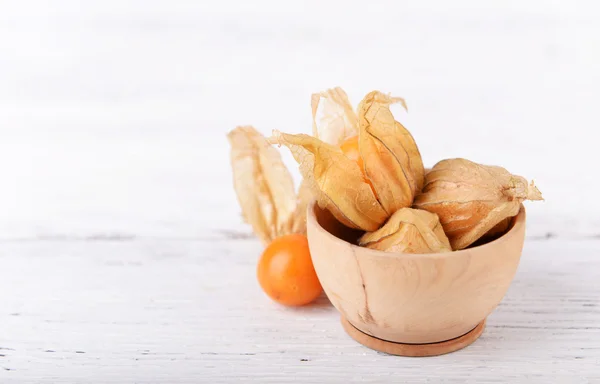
(113, 114)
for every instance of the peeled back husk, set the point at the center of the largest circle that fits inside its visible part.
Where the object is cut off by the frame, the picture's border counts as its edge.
(337, 120)
(498, 230)
(336, 181)
(391, 158)
(263, 185)
(304, 198)
(471, 199)
(409, 231)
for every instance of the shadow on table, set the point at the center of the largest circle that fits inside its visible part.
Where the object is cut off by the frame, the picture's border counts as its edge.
(321, 304)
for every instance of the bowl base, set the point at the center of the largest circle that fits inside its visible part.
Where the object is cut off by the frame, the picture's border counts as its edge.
(413, 350)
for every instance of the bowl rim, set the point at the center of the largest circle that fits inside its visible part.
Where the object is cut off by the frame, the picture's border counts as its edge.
(518, 227)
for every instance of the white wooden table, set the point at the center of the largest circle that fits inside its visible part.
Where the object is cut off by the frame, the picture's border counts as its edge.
(159, 310)
(122, 254)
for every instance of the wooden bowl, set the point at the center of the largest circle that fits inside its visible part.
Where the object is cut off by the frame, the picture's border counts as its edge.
(412, 298)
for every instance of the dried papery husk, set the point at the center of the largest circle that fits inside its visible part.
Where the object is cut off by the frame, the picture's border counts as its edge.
(409, 231)
(499, 229)
(471, 199)
(263, 185)
(337, 119)
(336, 181)
(391, 158)
(305, 196)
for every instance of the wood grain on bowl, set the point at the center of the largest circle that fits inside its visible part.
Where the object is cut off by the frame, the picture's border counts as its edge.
(412, 298)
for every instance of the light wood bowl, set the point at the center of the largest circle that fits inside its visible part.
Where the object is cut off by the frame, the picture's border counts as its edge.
(412, 298)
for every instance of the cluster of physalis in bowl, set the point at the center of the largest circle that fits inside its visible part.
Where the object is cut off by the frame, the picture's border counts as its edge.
(364, 169)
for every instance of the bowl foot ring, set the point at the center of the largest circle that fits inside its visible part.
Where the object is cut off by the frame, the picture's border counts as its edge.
(413, 350)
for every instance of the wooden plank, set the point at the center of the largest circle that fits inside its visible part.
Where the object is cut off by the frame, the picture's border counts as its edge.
(156, 310)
